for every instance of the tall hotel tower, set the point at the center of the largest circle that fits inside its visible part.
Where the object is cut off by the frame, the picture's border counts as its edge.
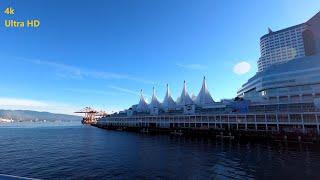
(289, 65)
(290, 43)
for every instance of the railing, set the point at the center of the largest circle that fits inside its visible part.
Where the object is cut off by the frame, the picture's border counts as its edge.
(308, 118)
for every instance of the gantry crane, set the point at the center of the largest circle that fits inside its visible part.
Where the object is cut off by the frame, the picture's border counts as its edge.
(91, 115)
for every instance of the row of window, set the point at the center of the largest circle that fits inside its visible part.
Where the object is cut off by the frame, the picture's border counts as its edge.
(296, 42)
(289, 38)
(278, 44)
(288, 32)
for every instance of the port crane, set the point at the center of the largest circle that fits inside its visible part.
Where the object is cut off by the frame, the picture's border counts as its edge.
(91, 115)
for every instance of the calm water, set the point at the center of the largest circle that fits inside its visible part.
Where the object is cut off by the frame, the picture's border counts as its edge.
(51, 151)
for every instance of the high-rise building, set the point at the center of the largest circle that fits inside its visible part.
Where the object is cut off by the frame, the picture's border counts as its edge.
(290, 43)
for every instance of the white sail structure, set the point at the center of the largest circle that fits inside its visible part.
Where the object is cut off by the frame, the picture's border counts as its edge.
(143, 104)
(185, 98)
(154, 100)
(204, 98)
(168, 102)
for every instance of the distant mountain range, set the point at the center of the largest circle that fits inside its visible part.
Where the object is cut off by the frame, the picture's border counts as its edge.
(26, 115)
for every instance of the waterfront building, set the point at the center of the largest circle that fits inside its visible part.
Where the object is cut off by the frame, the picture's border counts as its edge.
(294, 81)
(290, 43)
(283, 96)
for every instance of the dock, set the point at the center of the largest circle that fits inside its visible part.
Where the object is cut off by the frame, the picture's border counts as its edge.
(300, 127)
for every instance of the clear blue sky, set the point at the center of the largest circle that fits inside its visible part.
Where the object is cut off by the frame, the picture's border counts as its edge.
(101, 53)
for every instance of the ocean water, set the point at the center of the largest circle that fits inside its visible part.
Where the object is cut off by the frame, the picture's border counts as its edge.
(74, 151)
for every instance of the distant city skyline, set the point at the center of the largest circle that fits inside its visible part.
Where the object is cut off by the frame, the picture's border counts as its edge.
(101, 53)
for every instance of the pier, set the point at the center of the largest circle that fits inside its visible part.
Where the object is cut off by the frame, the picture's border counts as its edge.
(304, 126)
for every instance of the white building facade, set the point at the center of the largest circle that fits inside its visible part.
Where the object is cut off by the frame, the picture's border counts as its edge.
(285, 45)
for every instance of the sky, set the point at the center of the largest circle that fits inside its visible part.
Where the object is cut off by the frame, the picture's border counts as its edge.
(101, 53)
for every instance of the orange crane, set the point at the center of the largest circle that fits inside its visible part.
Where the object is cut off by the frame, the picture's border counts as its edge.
(91, 115)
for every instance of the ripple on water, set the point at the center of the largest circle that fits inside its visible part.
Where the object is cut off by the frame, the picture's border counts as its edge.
(55, 152)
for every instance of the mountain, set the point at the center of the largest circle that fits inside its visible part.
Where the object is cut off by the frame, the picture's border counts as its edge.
(26, 115)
